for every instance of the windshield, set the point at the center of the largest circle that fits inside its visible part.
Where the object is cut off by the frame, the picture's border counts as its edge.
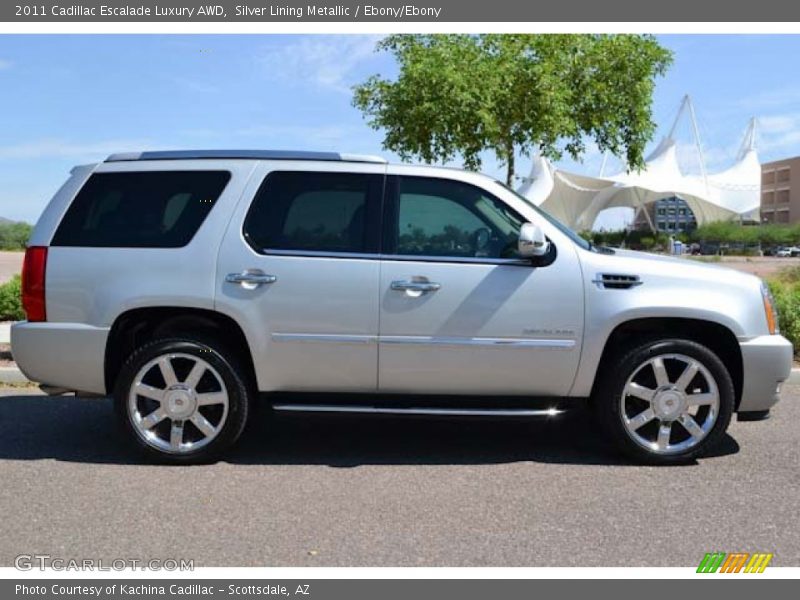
(578, 240)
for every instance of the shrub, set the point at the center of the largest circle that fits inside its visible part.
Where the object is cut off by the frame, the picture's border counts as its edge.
(10, 300)
(786, 292)
(733, 237)
(647, 242)
(767, 234)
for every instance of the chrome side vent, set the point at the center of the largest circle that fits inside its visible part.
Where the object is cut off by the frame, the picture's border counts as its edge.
(615, 281)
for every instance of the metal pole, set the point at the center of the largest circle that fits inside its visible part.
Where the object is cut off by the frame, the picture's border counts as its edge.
(697, 140)
(603, 165)
(678, 117)
(749, 140)
(644, 210)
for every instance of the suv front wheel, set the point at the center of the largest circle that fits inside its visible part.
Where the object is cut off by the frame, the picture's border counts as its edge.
(666, 401)
(182, 400)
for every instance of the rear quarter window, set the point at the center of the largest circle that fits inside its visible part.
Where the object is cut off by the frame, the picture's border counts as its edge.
(145, 209)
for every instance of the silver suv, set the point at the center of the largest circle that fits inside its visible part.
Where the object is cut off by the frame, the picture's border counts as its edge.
(189, 284)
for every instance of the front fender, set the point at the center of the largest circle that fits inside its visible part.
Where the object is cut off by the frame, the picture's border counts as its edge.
(599, 330)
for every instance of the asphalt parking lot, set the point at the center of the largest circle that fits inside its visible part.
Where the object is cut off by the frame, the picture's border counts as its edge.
(335, 491)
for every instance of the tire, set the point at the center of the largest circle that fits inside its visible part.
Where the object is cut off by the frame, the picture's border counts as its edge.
(191, 400)
(656, 411)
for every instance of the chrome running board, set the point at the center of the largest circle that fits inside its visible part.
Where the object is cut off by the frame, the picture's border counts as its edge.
(459, 412)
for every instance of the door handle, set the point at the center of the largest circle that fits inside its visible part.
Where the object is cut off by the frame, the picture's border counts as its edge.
(250, 278)
(422, 287)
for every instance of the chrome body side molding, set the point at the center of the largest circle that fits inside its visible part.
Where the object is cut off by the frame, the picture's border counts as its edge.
(424, 340)
(429, 411)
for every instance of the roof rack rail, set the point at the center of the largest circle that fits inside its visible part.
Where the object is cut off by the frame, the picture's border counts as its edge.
(243, 154)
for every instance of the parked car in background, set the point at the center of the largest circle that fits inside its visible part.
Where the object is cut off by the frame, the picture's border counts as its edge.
(191, 285)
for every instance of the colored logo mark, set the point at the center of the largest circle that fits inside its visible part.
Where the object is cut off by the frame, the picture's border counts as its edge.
(734, 562)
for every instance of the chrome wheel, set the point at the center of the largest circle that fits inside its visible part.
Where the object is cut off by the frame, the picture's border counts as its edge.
(178, 403)
(669, 404)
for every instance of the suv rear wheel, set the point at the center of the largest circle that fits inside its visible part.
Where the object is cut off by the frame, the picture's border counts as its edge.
(667, 401)
(182, 400)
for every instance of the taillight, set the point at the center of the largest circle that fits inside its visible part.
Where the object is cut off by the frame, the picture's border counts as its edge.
(33, 300)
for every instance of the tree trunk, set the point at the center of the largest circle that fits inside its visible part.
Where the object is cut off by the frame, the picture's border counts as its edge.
(510, 164)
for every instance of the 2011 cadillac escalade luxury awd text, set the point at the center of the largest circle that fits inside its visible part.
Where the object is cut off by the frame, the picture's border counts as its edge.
(187, 284)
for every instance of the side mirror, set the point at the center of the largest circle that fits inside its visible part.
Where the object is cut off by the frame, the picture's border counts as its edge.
(532, 242)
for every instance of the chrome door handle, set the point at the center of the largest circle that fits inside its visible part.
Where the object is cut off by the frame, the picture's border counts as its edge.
(415, 286)
(250, 277)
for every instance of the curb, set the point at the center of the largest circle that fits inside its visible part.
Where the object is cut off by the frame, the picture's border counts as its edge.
(14, 375)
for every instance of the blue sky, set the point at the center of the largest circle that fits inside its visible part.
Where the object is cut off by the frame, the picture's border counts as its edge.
(66, 100)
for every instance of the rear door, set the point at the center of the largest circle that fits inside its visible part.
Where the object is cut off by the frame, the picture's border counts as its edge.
(299, 269)
(460, 312)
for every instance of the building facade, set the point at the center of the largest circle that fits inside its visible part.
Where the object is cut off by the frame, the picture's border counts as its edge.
(668, 215)
(780, 191)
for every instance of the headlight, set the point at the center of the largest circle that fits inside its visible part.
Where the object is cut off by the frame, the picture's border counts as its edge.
(769, 309)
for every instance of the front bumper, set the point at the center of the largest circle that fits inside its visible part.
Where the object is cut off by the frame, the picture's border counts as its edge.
(766, 363)
(64, 355)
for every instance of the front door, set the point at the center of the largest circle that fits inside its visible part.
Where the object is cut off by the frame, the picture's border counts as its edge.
(298, 268)
(459, 311)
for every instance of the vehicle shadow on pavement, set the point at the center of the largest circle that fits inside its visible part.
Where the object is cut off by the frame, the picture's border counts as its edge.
(85, 430)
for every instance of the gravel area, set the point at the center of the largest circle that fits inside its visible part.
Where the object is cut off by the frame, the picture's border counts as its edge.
(10, 264)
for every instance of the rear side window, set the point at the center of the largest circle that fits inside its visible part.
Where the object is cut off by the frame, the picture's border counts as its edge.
(314, 212)
(145, 209)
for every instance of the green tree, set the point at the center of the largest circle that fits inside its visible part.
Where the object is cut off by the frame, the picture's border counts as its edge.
(717, 231)
(461, 95)
(14, 236)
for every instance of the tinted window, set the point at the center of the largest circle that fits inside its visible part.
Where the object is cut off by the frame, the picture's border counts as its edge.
(146, 209)
(440, 217)
(312, 211)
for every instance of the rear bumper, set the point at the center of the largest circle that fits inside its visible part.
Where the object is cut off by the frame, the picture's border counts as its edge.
(766, 363)
(67, 355)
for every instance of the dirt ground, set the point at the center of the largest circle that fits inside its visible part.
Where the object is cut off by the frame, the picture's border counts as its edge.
(762, 266)
(10, 264)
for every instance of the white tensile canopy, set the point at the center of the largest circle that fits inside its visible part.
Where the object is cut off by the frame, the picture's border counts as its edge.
(576, 200)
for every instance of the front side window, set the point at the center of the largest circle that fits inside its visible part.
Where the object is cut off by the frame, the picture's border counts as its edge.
(447, 218)
(144, 209)
(313, 212)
